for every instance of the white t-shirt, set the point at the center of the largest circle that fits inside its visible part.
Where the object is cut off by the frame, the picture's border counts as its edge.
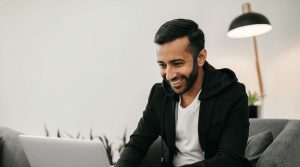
(187, 140)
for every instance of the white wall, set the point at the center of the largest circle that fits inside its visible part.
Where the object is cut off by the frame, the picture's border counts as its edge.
(81, 64)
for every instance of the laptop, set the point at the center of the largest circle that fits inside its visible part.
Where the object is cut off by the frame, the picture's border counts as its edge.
(58, 152)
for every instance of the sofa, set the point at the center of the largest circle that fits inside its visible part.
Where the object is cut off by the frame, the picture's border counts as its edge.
(284, 150)
(11, 153)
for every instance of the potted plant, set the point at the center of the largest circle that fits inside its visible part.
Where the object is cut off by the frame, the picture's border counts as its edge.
(253, 108)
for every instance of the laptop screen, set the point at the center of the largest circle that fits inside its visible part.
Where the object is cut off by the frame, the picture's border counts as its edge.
(58, 152)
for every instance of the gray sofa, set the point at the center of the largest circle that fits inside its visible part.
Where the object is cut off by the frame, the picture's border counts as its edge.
(284, 151)
(12, 154)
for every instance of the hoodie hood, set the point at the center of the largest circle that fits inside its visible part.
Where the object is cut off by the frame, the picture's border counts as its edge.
(215, 81)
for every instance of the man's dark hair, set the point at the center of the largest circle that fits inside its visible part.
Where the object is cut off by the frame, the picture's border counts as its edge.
(178, 28)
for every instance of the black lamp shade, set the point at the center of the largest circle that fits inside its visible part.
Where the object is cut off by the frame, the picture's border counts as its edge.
(249, 24)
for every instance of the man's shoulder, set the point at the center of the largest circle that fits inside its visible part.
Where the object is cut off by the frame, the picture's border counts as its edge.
(158, 86)
(233, 93)
(238, 88)
(157, 90)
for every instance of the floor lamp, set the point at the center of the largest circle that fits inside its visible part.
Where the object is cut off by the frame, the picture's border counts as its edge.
(251, 24)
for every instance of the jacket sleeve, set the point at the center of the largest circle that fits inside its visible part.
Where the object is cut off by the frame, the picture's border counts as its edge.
(234, 138)
(141, 139)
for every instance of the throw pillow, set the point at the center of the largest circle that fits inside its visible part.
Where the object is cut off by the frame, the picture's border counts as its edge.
(256, 145)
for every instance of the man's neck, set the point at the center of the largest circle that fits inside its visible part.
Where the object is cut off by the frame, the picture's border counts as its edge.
(188, 97)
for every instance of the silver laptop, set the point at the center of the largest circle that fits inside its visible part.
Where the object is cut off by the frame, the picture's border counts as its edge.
(57, 152)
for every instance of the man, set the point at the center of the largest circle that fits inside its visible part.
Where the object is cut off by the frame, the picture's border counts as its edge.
(200, 112)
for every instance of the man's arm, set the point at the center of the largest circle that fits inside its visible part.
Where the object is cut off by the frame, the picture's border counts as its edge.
(234, 138)
(140, 140)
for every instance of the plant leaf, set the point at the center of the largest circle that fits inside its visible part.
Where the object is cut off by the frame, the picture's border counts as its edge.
(91, 134)
(106, 140)
(102, 140)
(124, 136)
(68, 134)
(46, 131)
(78, 135)
(58, 133)
(252, 97)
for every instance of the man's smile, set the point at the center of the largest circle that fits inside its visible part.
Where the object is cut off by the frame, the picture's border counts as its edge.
(176, 83)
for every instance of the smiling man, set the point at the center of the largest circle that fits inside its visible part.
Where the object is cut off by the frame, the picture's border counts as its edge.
(180, 68)
(200, 112)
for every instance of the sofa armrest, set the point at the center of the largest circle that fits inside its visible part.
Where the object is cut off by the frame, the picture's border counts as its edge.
(12, 151)
(285, 149)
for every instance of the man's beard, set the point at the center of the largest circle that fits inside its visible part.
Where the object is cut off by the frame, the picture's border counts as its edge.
(190, 80)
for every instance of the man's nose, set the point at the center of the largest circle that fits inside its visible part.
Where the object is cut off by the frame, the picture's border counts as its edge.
(170, 73)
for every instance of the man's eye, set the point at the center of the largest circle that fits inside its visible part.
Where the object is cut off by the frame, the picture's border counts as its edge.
(162, 66)
(178, 64)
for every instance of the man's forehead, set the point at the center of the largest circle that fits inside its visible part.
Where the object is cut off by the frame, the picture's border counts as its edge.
(182, 41)
(177, 45)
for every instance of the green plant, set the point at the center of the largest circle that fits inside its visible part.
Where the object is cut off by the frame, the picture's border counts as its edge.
(73, 137)
(252, 98)
(124, 141)
(106, 144)
(46, 131)
(108, 147)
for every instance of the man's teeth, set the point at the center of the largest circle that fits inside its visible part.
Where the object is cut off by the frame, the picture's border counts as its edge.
(175, 82)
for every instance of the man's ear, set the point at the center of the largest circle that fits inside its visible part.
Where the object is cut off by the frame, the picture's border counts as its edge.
(201, 57)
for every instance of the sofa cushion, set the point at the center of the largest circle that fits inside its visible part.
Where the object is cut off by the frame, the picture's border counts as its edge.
(256, 145)
(285, 149)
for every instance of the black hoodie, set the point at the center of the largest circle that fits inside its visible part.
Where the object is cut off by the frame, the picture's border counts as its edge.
(223, 124)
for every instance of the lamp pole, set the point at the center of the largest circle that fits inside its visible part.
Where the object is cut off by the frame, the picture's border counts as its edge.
(246, 9)
(261, 86)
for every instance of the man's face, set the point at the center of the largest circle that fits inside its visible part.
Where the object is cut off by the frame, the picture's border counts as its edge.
(177, 65)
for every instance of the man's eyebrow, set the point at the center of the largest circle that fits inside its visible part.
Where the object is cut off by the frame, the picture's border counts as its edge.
(177, 60)
(172, 61)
